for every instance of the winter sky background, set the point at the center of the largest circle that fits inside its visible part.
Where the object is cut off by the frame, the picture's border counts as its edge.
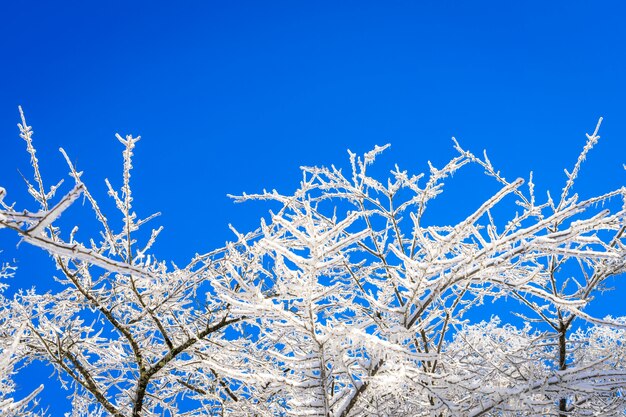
(233, 96)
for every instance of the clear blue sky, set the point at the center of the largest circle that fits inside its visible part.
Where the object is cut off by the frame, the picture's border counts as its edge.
(234, 96)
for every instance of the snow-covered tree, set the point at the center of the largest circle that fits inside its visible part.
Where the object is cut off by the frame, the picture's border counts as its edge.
(346, 302)
(363, 297)
(12, 350)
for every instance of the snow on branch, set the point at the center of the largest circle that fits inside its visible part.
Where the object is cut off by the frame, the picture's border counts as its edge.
(344, 303)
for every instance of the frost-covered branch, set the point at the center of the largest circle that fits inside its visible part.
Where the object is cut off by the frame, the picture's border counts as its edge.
(345, 302)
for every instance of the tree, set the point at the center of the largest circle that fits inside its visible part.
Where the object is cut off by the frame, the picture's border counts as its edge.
(11, 350)
(345, 303)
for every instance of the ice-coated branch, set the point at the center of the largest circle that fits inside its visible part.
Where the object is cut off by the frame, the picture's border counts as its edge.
(345, 302)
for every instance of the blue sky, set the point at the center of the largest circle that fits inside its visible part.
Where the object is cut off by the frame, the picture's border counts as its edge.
(234, 96)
